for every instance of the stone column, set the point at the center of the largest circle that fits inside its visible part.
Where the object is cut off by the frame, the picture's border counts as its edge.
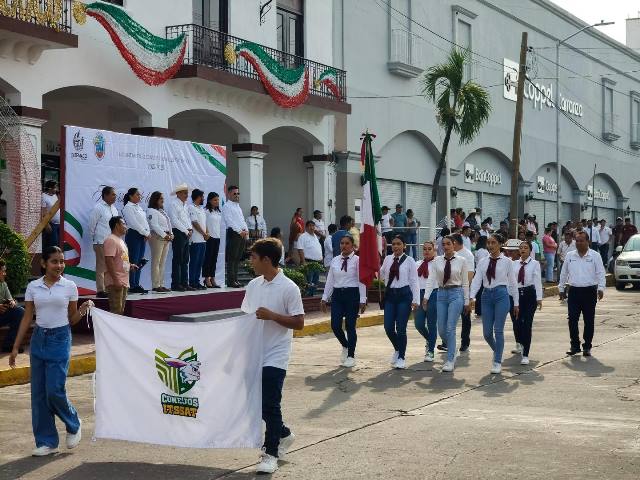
(323, 186)
(250, 174)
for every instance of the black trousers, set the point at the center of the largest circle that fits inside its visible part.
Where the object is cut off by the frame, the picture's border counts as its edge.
(211, 257)
(513, 320)
(180, 260)
(479, 301)
(234, 252)
(345, 304)
(604, 253)
(465, 334)
(272, 383)
(582, 300)
(523, 324)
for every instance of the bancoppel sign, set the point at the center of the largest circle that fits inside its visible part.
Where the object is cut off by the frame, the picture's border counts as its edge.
(473, 174)
(545, 186)
(599, 194)
(539, 95)
(469, 173)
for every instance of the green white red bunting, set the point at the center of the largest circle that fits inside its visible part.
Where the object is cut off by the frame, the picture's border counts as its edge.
(369, 251)
(329, 78)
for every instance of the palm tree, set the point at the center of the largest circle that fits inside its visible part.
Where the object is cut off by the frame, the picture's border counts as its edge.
(461, 107)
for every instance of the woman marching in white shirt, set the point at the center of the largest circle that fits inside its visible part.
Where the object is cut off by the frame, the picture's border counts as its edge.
(401, 296)
(529, 280)
(159, 241)
(451, 277)
(347, 296)
(426, 321)
(495, 274)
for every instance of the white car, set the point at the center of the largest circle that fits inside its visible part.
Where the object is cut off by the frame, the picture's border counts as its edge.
(627, 269)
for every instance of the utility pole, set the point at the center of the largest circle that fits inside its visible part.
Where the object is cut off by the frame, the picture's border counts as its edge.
(517, 136)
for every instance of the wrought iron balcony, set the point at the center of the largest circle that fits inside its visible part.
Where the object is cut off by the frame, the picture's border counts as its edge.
(55, 14)
(205, 47)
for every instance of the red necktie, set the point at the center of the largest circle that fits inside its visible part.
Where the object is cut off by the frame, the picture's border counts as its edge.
(447, 270)
(521, 273)
(423, 269)
(394, 272)
(491, 269)
(344, 263)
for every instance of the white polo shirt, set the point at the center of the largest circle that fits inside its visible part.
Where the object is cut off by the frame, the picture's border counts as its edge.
(51, 304)
(48, 201)
(311, 247)
(197, 215)
(281, 296)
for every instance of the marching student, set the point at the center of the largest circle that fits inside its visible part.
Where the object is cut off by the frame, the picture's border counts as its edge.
(401, 296)
(275, 299)
(451, 277)
(426, 320)
(347, 296)
(462, 250)
(584, 272)
(54, 301)
(529, 281)
(495, 274)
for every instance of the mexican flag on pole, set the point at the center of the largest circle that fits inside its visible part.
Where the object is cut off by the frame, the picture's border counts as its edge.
(371, 215)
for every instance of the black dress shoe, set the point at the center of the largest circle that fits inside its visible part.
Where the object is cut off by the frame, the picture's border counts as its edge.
(10, 349)
(178, 289)
(586, 352)
(138, 289)
(102, 295)
(189, 288)
(465, 348)
(573, 352)
(442, 348)
(201, 287)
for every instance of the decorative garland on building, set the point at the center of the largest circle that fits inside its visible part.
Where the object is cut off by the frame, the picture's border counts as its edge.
(329, 78)
(153, 59)
(288, 87)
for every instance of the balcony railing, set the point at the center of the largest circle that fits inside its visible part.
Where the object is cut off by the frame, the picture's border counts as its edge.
(406, 48)
(609, 127)
(206, 47)
(48, 14)
(635, 135)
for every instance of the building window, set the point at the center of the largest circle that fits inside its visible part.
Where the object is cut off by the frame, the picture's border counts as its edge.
(463, 34)
(405, 48)
(290, 27)
(211, 14)
(609, 118)
(635, 120)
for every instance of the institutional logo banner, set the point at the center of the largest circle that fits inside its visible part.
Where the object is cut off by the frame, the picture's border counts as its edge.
(192, 385)
(96, 158)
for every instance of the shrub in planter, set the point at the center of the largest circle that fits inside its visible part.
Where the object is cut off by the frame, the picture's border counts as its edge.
(311, 267)
(297, 277)
(15, 254)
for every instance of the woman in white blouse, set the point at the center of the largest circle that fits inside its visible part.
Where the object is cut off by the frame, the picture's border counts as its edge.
(347, 296)
(451, 277)
(426, 320)
(495, 274)
(214, 218)
(529, 281)
(54, 301)
(159, 241)
(401, 296)
(138, 232)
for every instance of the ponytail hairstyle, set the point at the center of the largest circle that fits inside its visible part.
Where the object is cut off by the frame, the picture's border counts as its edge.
(130, 193)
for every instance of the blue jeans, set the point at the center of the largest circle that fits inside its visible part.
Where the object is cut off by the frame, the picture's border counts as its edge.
(397, 308)
(51, 239)
(548, 270)
(412, 250)
(450, 305)
(426, 321)
(12, 317)
(495, 308)
(136, 244)
(50, 351)
(196, 260)
(345, 303)
(272, 383)
(313, 277)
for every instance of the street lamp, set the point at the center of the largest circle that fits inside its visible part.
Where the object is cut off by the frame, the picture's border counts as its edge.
(602, 23)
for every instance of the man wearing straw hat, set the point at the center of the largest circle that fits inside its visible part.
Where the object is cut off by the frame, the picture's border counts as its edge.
(182, 228)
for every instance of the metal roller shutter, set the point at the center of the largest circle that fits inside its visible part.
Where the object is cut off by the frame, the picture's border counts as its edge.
(536, 207)
(495, 206)
(609, 214)
(390, 192)
(419, 200)
(467, 200)
(566, 213)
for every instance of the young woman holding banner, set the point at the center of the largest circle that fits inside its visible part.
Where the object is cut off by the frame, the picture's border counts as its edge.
(54, 300)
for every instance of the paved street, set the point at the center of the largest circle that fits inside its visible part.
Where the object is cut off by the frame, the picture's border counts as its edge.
(558, 418)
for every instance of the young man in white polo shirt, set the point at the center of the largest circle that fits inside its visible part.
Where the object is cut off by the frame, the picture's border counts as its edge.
(275, 299)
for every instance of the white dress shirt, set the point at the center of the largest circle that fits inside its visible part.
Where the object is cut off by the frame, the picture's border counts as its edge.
(468, 256)
(480, 254)
(564, 248)
(99, 221)
(466, 242)
(257, 223)
(459, 275)
(593, 234)
(582, 271)
(48, 201)
(532, 275)
(422, 282)
(605, 234)
(310, 246)
(197, 215)
(320, 226)
(338, 278)
(136, 219)
(328, 251)
(159, 222)
(385, 223)
(51, 304)
(408, 275)
(504, 277)
(214, 219)
(233, 218)
(179, 216)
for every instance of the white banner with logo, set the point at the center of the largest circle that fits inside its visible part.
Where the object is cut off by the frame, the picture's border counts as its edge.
(96, 158)
(192, 385)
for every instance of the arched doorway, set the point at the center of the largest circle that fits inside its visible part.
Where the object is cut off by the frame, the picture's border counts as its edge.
(541, 195)
(602, 198)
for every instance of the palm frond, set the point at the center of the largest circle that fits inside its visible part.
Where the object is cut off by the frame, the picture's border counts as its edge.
(474, 109)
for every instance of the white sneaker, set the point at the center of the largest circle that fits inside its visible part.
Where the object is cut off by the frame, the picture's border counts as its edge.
(73, 439)
(447, 367)
(524, 361)
(285, 445)
(497, 368)
(518, 349)
(43, 451)
(345, 354)
(400, 364)
(428, 357)
(394, 358)
(348, 363)
(268, 464)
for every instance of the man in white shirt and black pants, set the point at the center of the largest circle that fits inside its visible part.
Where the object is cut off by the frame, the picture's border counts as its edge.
(605, 235)
(182, 230)
(99, 230)
(310, 250)
(237, 234)
(275, 299)
(584, 273)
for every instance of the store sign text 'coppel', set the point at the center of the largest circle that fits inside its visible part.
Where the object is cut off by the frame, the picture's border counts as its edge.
(473, 174)
(539, 95)
(546, 186)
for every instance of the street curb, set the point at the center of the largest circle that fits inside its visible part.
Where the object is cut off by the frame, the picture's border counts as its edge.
(325, 326)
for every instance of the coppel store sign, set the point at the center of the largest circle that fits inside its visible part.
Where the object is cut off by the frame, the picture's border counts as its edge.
(538, 94)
